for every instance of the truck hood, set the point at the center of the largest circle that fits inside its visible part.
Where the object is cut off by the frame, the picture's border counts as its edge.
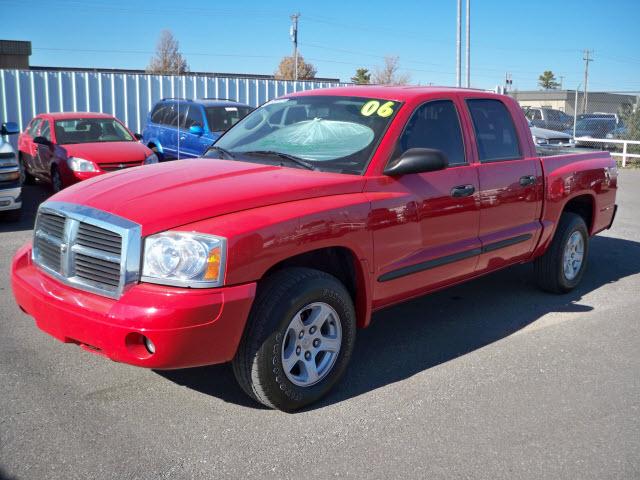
(108, 152)
(168, 195)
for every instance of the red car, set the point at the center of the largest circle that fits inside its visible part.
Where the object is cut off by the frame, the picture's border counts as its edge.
(311, 213)
(65, 148)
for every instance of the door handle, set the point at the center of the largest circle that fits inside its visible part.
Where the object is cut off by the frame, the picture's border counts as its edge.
(463, 191)
(527, 180)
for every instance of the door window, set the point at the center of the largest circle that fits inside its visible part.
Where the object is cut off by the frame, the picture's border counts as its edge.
(194, 116)
(45, 131)
(495, 132)
(435, 125)
(32, 130)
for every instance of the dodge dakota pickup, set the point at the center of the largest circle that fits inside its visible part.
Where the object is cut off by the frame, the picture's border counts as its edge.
(311, 213)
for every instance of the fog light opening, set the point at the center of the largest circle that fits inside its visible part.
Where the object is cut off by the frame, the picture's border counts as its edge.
(149, 345)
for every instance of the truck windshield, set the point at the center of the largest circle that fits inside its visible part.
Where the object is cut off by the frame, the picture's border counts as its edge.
(330, 133)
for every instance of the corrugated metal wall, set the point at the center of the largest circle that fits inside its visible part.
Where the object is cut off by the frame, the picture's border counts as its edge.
(129, 97)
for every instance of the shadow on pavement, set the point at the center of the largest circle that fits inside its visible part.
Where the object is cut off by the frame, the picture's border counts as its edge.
(414, 336)
(32, 197)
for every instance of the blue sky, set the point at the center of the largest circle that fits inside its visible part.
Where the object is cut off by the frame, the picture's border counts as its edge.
(337, 36)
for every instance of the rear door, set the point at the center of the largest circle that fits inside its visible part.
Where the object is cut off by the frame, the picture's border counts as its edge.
(426, 231)
(510, 185)
(169, 131)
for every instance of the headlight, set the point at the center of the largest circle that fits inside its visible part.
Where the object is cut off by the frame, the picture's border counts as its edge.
(81, 165)
(153, 158)
(540, 141)
(184, 259)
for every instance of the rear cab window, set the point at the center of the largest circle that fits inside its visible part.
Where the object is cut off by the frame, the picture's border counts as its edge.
(495, 132)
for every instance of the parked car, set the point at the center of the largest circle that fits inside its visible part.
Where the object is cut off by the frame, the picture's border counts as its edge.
(65, 148)
(548, 118)
(10, 189)
(180, 128)
(592, 128)
(550, 138)
(274, 249)
(621, 132)
(615, 116)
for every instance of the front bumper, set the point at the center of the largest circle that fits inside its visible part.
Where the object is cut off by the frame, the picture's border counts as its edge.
(189, 327)
(10, 198)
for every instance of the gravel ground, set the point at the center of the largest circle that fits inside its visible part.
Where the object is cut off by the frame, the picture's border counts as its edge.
(491, 379)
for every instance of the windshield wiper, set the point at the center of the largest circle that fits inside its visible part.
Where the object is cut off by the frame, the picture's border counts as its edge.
(284, 156)
(221, 150)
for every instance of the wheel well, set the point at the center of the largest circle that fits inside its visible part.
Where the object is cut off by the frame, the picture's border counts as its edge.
(340, 262)
(583, 206)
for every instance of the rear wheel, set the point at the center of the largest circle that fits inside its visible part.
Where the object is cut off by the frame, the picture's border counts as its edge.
(298, 341)
(56, 180)
(562, 266)
(25, 177)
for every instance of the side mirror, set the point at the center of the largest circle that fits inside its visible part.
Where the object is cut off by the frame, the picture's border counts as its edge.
(196, 129)
(9, 128)
(417, 160)
(42, 141)
(137, 136)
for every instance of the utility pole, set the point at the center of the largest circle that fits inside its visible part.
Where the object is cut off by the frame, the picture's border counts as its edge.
(468, 45)
(459, 46)
(587, 58)
(508, 82)
(293, 33)
(561, 81)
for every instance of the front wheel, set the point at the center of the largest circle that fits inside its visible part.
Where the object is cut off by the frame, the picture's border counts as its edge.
(298, 341)
(562, 266)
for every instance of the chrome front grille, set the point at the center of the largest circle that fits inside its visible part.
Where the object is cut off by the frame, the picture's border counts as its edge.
(87, 248)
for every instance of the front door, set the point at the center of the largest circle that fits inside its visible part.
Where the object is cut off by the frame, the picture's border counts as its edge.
(194, 144)
(510, 187)
(425, 226)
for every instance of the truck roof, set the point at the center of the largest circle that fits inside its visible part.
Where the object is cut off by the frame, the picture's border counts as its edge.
(389, 92)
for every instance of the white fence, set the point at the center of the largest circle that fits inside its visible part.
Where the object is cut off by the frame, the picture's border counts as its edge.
(25, 93)
(609, 141)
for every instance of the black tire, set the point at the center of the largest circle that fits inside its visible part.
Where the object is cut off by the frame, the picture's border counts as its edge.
(549, 268)
(56, 180)
(154, 149)
(25, 177)
(12, 215)
(258, 363)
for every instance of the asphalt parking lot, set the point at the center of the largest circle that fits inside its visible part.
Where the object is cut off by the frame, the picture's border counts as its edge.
(492, 379)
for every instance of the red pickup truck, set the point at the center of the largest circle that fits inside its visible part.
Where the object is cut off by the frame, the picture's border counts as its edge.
(311, 213)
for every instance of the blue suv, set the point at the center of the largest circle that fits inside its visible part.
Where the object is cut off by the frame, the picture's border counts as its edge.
(180, 128)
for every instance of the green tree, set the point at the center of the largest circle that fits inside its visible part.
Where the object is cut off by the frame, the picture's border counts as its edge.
(167, 59)
(286, 69)
(548, 80)
(362, 77)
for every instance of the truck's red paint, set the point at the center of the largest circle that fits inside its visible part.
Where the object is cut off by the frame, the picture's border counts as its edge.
(271, 214)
